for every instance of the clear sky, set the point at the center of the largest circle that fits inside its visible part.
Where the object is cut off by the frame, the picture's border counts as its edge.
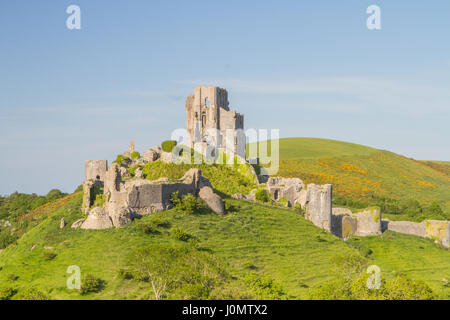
(309, 68)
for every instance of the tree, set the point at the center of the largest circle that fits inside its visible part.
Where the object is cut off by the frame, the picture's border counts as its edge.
(157, 265)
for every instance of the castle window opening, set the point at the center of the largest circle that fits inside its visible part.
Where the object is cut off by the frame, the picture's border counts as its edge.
(207, 102)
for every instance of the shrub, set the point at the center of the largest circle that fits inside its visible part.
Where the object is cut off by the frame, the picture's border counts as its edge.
(32, 294)
(49, 255)
(261, 195)
(168, 145)
(7, 293)
(187, 203)
(177, 272)
(179, 234)
(54, 194)
(125, 274)
(135, 155)
(92, 284)
(121, 159)
(264, 287)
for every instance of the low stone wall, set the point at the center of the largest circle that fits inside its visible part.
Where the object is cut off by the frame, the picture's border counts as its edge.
(407, 227)
(432, 229)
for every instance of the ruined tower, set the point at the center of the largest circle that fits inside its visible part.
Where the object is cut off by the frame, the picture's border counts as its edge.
(210, 122)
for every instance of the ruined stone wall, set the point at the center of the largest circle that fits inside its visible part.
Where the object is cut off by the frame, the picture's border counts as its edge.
(439, 231)
(208, 117)
(318, 205)
(407, 227)
(95, 169)
(432, 229)
(368, 222)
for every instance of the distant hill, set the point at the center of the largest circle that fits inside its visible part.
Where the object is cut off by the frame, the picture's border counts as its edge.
(361, 172)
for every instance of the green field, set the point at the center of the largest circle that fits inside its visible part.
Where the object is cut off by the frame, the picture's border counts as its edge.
(252, 238)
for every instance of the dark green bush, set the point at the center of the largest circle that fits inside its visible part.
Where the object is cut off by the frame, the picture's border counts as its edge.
(187, 203)
(264, 287)
(135, 155)
(54, 194)
(168, 145)
(261, 195)
(125, 274)
(92, 284)
(121, 159)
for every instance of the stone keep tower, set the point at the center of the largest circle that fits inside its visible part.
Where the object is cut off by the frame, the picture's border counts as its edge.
(209, 121)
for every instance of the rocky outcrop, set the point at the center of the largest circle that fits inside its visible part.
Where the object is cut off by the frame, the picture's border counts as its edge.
(62, 223)
(97, 219)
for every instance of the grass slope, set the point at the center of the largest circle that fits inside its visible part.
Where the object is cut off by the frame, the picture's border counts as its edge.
(360, 172)
(251, 238)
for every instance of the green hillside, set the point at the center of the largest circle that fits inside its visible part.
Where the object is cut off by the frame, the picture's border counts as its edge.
(268, 242)
(362, 173)
(255, 251)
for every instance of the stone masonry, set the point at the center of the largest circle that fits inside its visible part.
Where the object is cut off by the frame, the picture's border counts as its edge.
(209, 120)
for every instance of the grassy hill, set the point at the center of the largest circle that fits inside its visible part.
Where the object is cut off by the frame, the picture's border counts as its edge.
(361, 173)
(252, 239)
(255, 251)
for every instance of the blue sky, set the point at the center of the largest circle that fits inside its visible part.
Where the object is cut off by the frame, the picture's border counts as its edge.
(309, 68)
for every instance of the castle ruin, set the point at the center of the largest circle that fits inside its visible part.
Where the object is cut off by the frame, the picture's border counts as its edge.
(211, 127)
(210, 123)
